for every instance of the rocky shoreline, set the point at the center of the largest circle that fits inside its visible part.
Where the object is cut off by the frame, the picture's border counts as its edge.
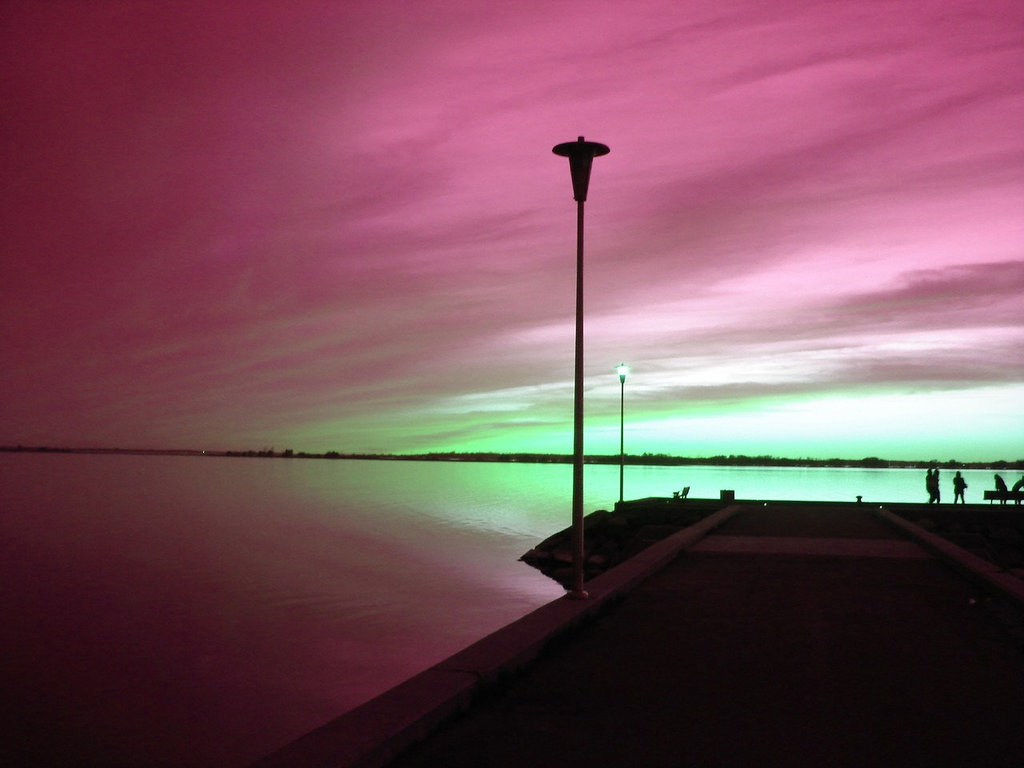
(611, 537)
(993, 532)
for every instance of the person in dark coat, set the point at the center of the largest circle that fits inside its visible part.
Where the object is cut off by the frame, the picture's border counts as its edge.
(959, 486)
(1001, 486)
(1017, 488)
(931, 484)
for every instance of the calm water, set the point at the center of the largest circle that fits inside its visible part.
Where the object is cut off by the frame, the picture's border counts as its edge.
(188, 611)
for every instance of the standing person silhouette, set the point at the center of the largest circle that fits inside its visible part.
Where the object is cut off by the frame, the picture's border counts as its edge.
(931, 484)
(959, 486)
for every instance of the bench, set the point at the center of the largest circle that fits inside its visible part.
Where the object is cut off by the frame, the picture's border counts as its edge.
(681, 494)
(1003, 496)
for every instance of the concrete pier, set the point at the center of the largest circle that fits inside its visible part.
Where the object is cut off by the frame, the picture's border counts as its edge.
(781, 634)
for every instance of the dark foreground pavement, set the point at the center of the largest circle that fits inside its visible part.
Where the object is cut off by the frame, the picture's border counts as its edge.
(792, 635)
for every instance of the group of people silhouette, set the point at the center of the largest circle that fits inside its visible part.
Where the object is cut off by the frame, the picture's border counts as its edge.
(931, 484)
(1017, 489)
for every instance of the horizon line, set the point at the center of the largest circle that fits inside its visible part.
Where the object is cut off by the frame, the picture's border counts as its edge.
(527, 455)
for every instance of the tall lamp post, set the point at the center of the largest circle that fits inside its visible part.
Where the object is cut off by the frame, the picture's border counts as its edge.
(622, 369)
(581, 156)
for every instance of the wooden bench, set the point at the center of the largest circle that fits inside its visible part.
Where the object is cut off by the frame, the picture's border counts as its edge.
(1003, 496)
(681, 494)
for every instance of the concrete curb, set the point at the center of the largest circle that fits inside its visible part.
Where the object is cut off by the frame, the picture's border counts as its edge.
(968, 563)
(374, 733)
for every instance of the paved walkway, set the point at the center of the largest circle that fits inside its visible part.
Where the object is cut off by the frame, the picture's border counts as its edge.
(849, 648)
(791, 635)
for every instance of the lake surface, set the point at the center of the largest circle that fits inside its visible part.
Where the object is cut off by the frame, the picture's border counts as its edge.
(197, 611)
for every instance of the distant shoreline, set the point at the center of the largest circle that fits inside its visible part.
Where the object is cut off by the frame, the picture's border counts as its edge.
(646, 459)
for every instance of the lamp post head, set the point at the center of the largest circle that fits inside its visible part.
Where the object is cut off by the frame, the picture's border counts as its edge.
(622, 369)
(581, 156)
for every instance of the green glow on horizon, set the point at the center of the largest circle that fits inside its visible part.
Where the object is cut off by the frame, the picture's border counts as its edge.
(980, 424)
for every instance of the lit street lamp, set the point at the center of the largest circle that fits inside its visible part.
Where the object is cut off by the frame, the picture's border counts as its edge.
(581, 156)
(622, 369)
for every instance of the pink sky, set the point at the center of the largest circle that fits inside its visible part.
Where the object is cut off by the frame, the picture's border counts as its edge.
(325, 225)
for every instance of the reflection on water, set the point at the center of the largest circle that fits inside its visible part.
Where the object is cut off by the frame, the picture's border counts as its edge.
(190, 611)
(201, 611)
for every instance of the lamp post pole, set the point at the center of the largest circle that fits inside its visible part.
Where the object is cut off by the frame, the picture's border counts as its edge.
(581, 156)
(622, 369)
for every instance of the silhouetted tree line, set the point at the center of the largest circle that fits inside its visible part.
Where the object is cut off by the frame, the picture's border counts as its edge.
(721, 460)
(643, 459)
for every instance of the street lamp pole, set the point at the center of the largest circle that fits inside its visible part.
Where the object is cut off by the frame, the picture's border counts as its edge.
(622, 369)
(581, 156)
